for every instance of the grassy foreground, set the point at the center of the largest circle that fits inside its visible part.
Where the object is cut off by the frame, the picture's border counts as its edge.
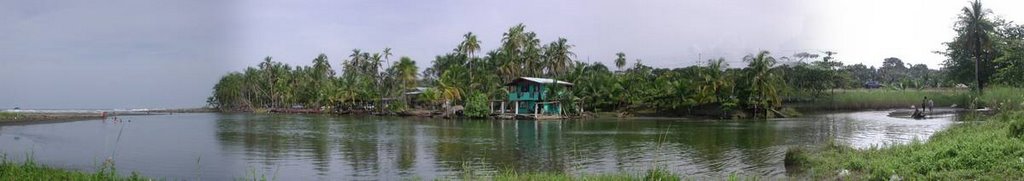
(29, 170)
(992, 149)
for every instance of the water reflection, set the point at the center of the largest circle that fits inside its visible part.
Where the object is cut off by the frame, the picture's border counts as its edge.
(314, 147)
(372, 146)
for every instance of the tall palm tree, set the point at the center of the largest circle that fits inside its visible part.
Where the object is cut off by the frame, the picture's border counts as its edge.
(511, 51)
(763, 81)
(559, 57)
(975, 28)
(620, 61)
(469, 45)
(406, 72)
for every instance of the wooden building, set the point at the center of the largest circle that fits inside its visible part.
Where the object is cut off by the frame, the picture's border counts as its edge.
(531, 98)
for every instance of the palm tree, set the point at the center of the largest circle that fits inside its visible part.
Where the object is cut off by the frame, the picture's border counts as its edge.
(620, 61)
(405, 71)
(713, 81)
(511, 59)
(763, 91)
(975, 28)
(469, 45)
(559, 57)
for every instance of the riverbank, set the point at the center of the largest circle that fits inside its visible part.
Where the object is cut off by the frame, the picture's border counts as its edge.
(29, 170)
(13, 118)
(989, 148)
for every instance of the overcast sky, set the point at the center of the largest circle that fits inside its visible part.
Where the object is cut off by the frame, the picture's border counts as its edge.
(154, 54)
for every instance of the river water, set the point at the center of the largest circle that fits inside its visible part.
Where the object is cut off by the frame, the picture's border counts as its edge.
(212, 146)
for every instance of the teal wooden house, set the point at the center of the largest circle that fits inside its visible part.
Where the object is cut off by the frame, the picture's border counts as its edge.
(533, 96)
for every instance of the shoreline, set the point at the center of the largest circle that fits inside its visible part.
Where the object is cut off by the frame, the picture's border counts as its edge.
(42, 118)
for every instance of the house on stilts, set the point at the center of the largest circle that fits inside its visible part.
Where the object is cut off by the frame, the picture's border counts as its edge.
(531, 98)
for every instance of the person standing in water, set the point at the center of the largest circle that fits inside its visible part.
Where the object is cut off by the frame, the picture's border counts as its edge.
(931, 105)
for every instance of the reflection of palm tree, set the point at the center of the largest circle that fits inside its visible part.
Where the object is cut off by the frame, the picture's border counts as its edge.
(976, 30)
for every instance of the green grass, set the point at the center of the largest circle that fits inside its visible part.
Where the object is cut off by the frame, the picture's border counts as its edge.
(988, 150)
(885, 99)
(29, 170)
(9, 116)
(1001, 98)
(1004, 98)
(655, 174)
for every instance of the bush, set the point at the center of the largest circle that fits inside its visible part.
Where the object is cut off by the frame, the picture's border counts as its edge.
(1017, 127)
(476, 106)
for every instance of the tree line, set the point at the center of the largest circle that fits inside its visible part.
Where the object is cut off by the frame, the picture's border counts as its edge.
(465, 76)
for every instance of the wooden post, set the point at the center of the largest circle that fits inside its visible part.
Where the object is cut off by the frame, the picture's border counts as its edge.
(491, 107)
(559, 109)
(517, 108)
(536, 110)
(502, 107)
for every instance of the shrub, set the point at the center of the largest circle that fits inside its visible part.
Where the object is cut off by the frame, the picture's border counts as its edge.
(476, 106)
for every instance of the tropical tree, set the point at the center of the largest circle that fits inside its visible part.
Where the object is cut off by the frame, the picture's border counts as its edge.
(559, 57)
(762, 89)
(975, 28)
(469, 45)
(620, 60)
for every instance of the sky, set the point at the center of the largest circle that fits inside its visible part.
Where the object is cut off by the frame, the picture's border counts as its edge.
(169, 54)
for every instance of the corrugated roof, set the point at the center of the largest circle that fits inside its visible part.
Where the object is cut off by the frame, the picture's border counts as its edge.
(542, 80)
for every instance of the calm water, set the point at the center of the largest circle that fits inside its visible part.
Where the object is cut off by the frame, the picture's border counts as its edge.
(303, 147)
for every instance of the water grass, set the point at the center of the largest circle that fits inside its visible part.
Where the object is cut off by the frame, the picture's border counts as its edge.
(1007, 98)
(992, 149)
(864, 99)
(30, 170)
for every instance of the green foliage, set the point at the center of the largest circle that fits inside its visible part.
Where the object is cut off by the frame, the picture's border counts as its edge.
(967, 151)
(1002, 98)
(476, 106)
(761, 93)
(712, 89)
(4, 116)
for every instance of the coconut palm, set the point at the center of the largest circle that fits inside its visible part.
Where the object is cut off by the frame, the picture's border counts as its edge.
(559, 57)
(405, 71)
(620, 61)
(713, 81)
(975, 28)
(470, 45)
(764, 95)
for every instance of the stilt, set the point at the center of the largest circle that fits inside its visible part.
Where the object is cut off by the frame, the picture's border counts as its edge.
(517, 108)
(502, 107)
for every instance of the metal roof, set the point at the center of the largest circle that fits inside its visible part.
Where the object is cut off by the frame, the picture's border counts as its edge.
(540, 81)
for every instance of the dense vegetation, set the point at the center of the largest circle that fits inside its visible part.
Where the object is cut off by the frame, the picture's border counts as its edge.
(462, 76)
(985, 50)
(367, 80)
